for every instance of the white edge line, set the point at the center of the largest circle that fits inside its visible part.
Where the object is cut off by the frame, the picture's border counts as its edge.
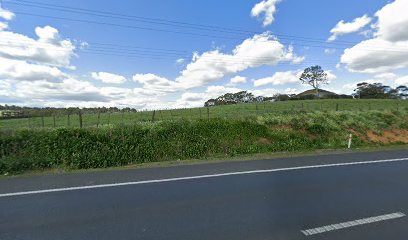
(353, 223)
(199, 177)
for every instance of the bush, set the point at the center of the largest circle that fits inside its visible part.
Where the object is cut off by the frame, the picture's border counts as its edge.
(162, 141)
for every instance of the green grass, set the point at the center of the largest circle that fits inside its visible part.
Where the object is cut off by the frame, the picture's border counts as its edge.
(109, 146)
(239, 111)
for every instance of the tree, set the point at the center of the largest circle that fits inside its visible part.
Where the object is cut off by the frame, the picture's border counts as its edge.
(315, 76)
(402, 91)
(377, 90)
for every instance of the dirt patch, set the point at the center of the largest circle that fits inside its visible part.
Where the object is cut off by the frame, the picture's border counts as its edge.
(264, 141)
(389, 136)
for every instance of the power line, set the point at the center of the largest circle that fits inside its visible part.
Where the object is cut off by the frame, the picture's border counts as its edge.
(327, 45)
(164, 22)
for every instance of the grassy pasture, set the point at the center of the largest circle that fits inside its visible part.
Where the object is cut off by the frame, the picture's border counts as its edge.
(238, 112)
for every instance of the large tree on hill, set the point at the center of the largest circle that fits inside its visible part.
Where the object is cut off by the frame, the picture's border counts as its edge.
(315, 76)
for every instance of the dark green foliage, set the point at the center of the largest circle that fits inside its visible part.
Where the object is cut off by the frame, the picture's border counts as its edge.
(76, 148)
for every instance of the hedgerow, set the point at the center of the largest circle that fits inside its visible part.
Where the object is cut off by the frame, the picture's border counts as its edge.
(75, 148)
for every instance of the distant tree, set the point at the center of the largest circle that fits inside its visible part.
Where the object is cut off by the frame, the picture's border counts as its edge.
(372, 90)
(402, 91)
(315, 76)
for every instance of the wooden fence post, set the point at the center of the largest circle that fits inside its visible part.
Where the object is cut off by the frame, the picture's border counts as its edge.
(153, 115)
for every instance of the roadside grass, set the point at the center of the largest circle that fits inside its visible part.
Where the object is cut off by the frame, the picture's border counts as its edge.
(112, 146)
(239, 111)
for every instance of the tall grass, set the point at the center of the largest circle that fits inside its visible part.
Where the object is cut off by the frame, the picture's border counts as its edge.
(239, 111)
(74, 148)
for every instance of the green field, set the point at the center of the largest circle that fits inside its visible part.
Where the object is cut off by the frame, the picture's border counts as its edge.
(74, 148)
(239, 111)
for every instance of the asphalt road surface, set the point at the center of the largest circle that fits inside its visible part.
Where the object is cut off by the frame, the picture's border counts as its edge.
(337, 196)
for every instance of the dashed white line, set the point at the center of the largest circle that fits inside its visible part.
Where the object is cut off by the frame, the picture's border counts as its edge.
(199, 177)
(353, 223)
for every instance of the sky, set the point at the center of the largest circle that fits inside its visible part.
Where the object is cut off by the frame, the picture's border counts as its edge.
(162, 54)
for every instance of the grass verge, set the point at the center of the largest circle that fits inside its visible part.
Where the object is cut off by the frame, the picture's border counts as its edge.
(27, 150)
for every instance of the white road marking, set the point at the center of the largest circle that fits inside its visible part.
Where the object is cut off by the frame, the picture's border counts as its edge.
(353, 223)
(200, 177)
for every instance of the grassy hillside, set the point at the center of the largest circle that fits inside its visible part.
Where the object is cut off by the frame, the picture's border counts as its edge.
(74, 148)
(240, 111)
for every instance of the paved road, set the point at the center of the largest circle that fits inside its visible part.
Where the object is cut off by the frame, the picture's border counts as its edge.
(255, 205)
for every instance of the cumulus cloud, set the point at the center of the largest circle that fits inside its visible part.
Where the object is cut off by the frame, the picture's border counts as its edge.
(388, 49)
(402, 81)
(376, 55)
(153, 82)
(21, 70)
(393, 21)
(263, 49)
(236, 81)
(279, 78)
(267, 8)
(108, 77)
(6, 14)
(3, 26)
(47, 49)
(343, 28)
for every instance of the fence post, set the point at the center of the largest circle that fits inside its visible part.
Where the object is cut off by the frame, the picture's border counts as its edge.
(99, 117)
(349, 141)
(42, 120)
(80, 119)
(208, 113)
(69, 120)
(153, 115)
(53, 118)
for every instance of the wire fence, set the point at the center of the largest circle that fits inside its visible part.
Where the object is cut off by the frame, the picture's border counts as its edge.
(239, 111)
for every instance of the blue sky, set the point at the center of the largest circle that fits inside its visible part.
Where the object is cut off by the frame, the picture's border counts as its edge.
(166, 54)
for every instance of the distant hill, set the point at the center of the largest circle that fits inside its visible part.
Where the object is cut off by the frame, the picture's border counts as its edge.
(322, 93)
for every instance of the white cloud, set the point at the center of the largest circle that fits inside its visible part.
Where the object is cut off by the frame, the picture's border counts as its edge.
(180, 61)
(343, 28)
(6, 14)
(236, 81)
(266, 7)
(375, 56)
(47, 49)
(21, 70)
(279, 78)
(259, 50)
(3, 26)
(108, 77)
(388, 50)
(393, 21)
(402, 81)
(329, 50)
(386, 76)
(153, 82)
